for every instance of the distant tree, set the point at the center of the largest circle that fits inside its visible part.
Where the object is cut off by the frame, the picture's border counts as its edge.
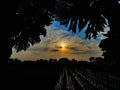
(52, 60)
(92, 59)
(74, 60)
(96, 59)
(64, 60)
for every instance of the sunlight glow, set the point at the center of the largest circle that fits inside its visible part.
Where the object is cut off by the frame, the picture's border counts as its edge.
(63, 45)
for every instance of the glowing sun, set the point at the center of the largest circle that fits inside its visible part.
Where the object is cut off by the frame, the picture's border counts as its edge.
(63, 45)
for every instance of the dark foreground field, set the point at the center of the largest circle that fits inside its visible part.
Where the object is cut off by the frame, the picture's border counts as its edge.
(63, 75)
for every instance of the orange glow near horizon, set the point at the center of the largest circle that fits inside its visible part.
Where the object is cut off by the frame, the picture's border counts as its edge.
(63, 47)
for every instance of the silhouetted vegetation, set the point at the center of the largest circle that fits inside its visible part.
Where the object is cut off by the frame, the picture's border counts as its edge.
(94, 13)
(31, 17)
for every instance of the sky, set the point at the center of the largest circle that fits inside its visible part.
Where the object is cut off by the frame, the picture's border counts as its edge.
(61, 43)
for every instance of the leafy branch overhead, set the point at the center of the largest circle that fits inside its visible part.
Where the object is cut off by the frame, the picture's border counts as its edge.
(79, 14)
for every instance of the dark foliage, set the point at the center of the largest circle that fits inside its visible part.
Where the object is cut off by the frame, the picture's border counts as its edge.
(94, 14)
(31, 17)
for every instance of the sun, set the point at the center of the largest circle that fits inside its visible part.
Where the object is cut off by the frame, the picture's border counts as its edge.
(63, 45)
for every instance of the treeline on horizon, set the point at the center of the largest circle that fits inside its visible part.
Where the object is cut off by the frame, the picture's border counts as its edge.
(93, 63)
(62, 60)
(65, 60)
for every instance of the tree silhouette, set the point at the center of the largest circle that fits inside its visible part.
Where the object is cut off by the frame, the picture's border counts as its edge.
(93, 13)
(79, 14)
(31, 16)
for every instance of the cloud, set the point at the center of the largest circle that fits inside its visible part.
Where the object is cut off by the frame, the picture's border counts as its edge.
(74, 48)
(50, 46)
(90, 52)
(56, 46)
(54, 50)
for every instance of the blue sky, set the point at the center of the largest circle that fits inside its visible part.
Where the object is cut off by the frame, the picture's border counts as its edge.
(80, 34)
(59, 43)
